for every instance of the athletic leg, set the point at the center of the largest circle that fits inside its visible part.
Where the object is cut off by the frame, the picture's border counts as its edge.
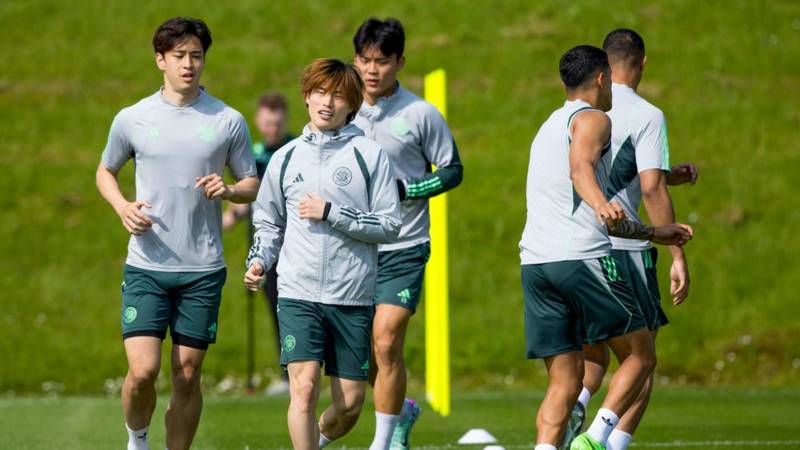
(304, 385)
(138, 390)
(186, 402)
(565, 372)
(342, 415)
(388, 338)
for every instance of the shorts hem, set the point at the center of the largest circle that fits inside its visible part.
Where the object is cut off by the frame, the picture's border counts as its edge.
(186, 340)
(346, 376)
(413, 309)
(553, 352)
(301, 358)
(161, 334)
(613, 334)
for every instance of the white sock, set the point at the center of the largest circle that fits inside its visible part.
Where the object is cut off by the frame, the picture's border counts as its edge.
(584, 398)
(137, 439)
(323, 441)
(604, 422)
(618, 440)
(545, 447)
(384, 427)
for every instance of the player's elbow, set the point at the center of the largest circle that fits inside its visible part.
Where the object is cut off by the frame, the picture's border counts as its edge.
(654, 191)
(458, 175)
(577, 172)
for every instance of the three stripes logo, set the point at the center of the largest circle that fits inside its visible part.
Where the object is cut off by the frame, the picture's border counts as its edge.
(610, 269)
(298, 178)
(404, 295)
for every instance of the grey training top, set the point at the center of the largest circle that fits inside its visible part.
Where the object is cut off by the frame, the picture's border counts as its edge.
(560, 226)
(171, 147)
(639, 143)
(414, 135)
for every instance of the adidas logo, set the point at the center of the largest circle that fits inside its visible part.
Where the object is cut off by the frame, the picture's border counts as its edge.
(153, 132)
(298, 178)
(404, 295)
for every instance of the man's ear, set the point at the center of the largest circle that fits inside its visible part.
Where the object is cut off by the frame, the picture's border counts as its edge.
(601, 78)
(160, 61)
(644, 61)
(401, 62)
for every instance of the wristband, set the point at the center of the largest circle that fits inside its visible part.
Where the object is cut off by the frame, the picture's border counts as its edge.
(326, 211)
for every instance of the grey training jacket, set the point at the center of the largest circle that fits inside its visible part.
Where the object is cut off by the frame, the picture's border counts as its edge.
(331, 261)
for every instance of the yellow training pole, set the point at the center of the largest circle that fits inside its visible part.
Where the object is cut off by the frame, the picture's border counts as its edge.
(437, 316)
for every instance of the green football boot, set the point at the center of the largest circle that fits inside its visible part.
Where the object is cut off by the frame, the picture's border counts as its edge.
(584, 442)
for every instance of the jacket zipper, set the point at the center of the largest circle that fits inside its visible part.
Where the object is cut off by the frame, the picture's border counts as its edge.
(323, 253)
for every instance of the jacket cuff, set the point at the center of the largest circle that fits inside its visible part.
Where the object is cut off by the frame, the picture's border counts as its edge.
(333, 215)
(258, 260)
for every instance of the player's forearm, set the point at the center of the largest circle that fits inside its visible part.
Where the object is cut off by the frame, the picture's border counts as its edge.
(658, 204)
(370, 227)
(432, 184)
(108, 186)
(244, 191)
(629, 229)
(585, 184)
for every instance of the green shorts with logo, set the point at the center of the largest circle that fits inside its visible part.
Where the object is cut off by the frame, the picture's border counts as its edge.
(186, 302)
(640, 268)
(337, 336)
(571, 303)
(400, 276)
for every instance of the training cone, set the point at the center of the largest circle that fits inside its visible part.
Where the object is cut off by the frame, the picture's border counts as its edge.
(477, 436)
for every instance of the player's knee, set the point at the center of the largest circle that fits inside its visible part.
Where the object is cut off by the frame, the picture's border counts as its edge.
(387, 349)
(304, 393)
(185, 378)
(142, 377)
(352, 409)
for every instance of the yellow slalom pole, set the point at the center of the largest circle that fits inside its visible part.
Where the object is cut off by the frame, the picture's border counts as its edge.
(437, 316)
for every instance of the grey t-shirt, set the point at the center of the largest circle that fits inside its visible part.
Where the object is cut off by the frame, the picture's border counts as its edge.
(171, 147)
(414, 135)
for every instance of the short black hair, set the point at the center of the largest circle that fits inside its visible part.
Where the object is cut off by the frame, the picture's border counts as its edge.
(387, 35)
(173, 31)
(580, 63)
(624, 45)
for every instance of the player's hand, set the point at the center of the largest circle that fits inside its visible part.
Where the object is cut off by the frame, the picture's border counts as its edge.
(134, 220)
(672, 234)
(213, 186)
(228, 220)
(254, 277)
(610, 214)
(683, 173)
(312, 206)
(679, 280)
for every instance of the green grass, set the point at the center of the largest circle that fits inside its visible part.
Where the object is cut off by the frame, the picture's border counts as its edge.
(724, 72)
(697, 417)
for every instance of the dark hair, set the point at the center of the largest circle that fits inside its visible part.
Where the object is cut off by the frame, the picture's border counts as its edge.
(624, 45)
(580, 63)
(333, 74)
(175, 30)
(273, 101)
(387, 35)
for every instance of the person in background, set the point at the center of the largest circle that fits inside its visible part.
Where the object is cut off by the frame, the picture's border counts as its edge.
(271, 121)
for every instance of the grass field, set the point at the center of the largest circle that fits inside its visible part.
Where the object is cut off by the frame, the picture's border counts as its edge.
(678, 418)
(724, 72)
